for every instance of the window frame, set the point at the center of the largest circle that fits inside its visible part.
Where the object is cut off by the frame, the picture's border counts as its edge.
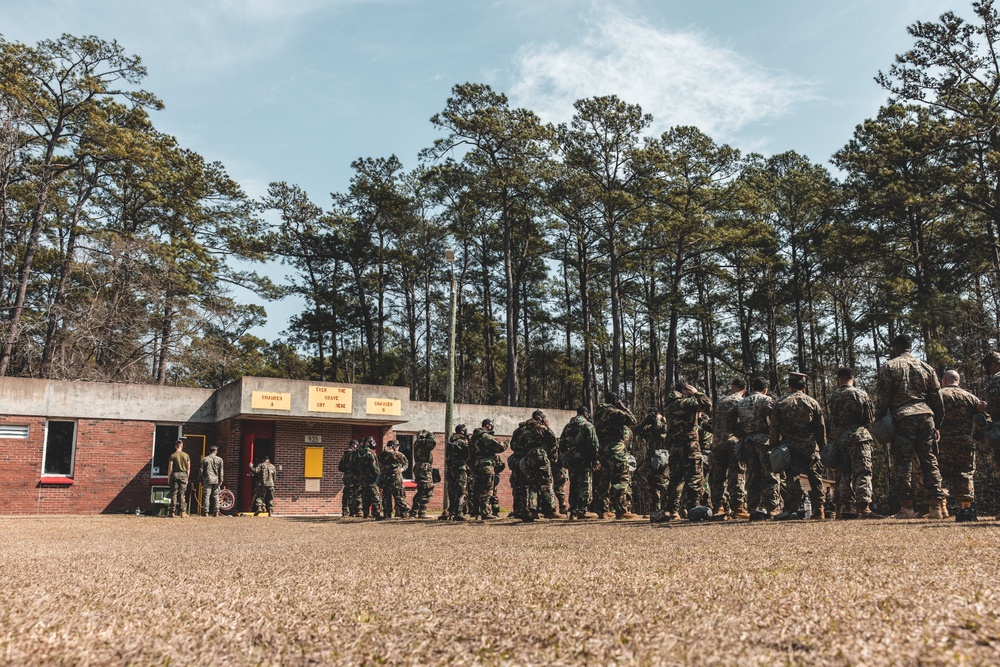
(152, 452)
(72, 454)
(409, 455)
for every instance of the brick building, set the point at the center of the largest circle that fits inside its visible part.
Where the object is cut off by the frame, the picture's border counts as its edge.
(87, 447)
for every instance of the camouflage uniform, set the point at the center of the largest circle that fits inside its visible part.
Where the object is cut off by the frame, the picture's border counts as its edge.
(682, 415)
(705, 445)
(179, 482)
(908, 389)
(518, 481)
(613, 484)
(559, 479)
(263, 477)
(798, 423)
(456, 458)
(484, 469)
(347, 468)
(539, 446)
(653, 431)
(957, 457)
(391, 463)
(993, 408)
(212, 478)
(753, 425)
(423, 463)
(368, 471)
(850, 410)
(578, 447)
(727, 476)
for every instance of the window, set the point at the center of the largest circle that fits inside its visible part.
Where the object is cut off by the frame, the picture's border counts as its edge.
(406, 448)
(13, 431)
(164, 438)
(60, 438)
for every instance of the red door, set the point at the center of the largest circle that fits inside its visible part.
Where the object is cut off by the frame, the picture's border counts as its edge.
(359, 433)
(258, 441)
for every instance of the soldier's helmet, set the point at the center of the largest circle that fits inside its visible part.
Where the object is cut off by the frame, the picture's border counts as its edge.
(488, 424)
(538, 414)
(354, 444)
(461, 428)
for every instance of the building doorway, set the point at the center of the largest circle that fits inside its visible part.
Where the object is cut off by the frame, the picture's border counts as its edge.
(257, 442)
(361, 431)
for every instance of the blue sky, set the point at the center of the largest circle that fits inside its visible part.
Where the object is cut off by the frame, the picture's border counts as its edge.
(295, 90)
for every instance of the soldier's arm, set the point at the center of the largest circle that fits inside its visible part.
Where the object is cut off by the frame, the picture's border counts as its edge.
(222, 468)
(867, 408)
(883, 394)
(934, 397)
(819, 427)
(170, 467)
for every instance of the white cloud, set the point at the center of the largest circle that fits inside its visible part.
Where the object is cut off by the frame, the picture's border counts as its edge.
(681, 78)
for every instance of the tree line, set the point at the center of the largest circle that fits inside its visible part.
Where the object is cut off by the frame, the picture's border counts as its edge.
(590, 256)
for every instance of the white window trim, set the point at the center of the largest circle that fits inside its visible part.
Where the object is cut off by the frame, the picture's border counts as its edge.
(152, 450)
(72, 456)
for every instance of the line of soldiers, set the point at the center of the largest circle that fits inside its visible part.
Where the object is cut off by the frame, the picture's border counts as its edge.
(757, 449)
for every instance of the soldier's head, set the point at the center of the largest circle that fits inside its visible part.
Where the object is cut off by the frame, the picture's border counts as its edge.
(179, 445)
(538, 416)
(370, 441)
(392, 444)
(265, 458)
(796, 381)
(845, 377)
(611, 398)
(951, 378)
(354, 444)
(991, 363)
(901, 344)
(583, 411)
(214, 449)
(461, 429)
(738, 386)
(488, 424)
(759, 384)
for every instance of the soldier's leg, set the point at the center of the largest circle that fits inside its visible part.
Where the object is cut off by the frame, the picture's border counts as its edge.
(718, 475)
(620, 491)
(919, 430)
(385, 493)
(559, 487)
(753, 478)
(650, 480)
(770, 483)
(675, 482)
(269, 499)
(735, 480)
(694, 482)
(601, 487)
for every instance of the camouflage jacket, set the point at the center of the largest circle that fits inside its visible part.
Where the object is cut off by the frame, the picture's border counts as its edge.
(959, 407)
(705, 436)
(849, 410)
(484, 446)
(653, 429)
(580, 438)
(682, 417)
(211, 470)
(391, 462)
(347, 464)
(614, 429)
(797, 420)
(366, 464)
(532, 434)
(907, 387)
(993, 396)
(754, 414)
(456, 451)
(264, 473)
(725, 421)
(423, 447)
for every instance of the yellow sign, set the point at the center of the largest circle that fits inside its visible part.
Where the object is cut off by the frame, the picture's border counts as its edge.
(330, 399)
(384, 406)
(270, 400)
(314, 462)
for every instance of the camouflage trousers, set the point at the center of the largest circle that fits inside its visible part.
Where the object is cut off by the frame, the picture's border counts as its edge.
(210, 498)
(805, 461)
(657, 487)
(581, 489)
(394, 496)
(613, 485)
(263, 499)
(178, 493)
(371, 499)
(424, 477)
(957, 462)
(685, 477)
(854, 483)
(915, 436)
(559, 479)
(765, 486)
(483, 474)
(538, 471)
(457, 479)
(726, 479)
(348, 495)
(518, 483)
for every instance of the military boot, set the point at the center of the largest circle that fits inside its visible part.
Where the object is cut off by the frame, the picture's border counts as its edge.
(905, 510)
(554, 514)
(742, 513)
(818, 508)
(720, 511)
(865, 511)
(937, 510)
(625, 515)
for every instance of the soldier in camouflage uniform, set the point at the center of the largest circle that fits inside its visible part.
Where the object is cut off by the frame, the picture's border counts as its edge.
(392, 463)
(368, 471)
(559, 479)
(212, 478)
(798, 423)
(849, 411)
(348, 467)
(539, 446)
(728, 474)
(456, 460)
(423, 463)
(263, 477)
(578, 447)
(753, 417)
(487, 457)
(653, 432)
(684, 405)
(705, 437)
(614, 431)
(957, 457)
(518, 481)
(908, 389)
(991, 406)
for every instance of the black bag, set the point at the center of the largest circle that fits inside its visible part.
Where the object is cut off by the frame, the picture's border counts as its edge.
(830, 455)
(435, 475)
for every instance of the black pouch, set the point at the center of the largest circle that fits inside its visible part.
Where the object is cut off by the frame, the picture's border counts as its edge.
(435, 475)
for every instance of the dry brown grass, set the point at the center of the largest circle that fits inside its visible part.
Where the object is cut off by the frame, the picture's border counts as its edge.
(128, 590)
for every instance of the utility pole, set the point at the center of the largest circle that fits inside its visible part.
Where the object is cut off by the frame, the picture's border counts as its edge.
(449, 410)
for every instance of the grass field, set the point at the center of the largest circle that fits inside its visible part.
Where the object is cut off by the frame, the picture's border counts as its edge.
(119, 590)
